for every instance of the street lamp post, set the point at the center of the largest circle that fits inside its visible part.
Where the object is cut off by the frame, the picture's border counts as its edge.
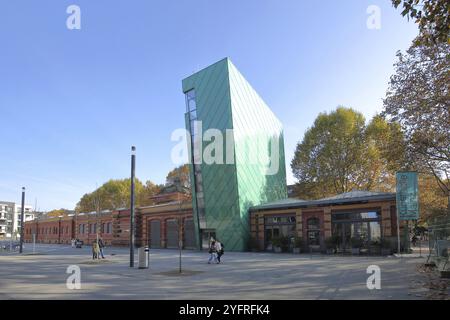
(133, 163)
(22, 210)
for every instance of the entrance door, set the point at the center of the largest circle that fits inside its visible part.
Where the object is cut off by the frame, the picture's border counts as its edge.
(172, 234)
(207, 235)
(189, 234)
(155, 234)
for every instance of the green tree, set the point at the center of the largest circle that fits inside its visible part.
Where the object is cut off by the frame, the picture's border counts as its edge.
(179, 175)
(150, 189)
(340, 153)
(116, 194)
(433, 17)
(418, 99)
(57, 213)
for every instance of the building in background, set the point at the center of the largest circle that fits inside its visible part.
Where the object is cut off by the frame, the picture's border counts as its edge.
(368, 218)
(159, 226)
(251, 169)
(7, 210)
(10, 213)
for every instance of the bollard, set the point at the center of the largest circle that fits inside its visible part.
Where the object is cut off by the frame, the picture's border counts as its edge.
(144, 257)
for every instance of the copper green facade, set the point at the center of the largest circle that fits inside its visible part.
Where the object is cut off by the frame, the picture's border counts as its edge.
(221, 98)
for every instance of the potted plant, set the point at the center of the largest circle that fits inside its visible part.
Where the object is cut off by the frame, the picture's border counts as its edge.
(385, 247)
(298, 244)
(356, 245)
(285, 243)
(276, 244)
(375, 247)
(331, 244)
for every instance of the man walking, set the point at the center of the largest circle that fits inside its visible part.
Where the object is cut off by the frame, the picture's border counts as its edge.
(101, 245)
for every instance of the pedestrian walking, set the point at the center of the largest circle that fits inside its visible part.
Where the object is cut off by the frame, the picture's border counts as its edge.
(219, 250)
(95, 250)
(212, 252)
(101, 246)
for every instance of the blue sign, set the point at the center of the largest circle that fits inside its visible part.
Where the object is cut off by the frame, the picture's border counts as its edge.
(407, 196)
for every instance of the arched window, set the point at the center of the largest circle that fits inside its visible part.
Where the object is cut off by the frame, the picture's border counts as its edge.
(313, 223)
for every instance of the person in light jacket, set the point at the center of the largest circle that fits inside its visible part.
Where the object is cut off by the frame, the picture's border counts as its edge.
(212, 252)
(95, 250)
(219, 250)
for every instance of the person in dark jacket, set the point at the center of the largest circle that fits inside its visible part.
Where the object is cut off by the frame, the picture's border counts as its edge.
(101, 245)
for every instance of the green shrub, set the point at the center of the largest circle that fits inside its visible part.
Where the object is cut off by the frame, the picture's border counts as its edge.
(332, 242)
(276, 242)
(385, 243)
(285, 243)
(356, 242)
(298, 242)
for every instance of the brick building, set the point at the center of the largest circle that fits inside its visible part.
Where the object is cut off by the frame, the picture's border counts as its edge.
(160, 225)
(369, 217)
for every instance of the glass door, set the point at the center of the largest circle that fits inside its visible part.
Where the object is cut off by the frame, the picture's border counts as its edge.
(207, 236)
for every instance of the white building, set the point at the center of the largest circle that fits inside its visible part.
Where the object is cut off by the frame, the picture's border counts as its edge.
(10, 218)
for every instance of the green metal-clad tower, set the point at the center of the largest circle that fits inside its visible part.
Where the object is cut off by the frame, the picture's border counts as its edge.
(223, 112)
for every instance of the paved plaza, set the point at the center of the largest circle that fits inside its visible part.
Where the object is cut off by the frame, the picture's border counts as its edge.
(42, 275)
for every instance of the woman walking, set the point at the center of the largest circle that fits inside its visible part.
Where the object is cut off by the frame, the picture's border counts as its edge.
(212, 252)
(219, 250)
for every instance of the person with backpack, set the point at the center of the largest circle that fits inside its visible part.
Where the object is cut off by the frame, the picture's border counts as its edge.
(219, 250)
(212, 252)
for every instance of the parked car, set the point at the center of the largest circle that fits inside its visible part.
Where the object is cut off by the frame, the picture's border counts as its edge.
(78, 243)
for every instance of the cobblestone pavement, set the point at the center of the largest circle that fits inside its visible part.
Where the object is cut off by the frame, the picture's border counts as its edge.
(42, 275)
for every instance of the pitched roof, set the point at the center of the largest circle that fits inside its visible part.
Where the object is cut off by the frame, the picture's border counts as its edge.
(348, 197)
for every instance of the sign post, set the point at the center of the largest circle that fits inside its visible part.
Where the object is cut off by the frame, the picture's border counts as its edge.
(407, 198)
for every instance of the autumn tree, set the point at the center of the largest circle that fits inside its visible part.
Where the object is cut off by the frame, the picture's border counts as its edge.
(179, 175)
(340, 153)
(116, 194)
(144, 198)
(418, 98)
(58, 213)
(432, 201)
(432, 16)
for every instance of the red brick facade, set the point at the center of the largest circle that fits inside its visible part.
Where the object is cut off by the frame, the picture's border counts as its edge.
(112, 226)
(324, 214)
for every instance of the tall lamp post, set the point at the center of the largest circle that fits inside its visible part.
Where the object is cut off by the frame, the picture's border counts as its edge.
(133, 163)
(22, 210)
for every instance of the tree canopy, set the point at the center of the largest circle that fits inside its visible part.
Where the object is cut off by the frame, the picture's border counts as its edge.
(179, 175)
(340, 153)
(418, 99)
(433, 17)
(116, 194)
(58, 213)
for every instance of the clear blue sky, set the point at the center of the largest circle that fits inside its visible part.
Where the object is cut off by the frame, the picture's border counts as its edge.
(72, 102)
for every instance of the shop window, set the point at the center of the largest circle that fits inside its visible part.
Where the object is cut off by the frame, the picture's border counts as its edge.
(313, 231)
